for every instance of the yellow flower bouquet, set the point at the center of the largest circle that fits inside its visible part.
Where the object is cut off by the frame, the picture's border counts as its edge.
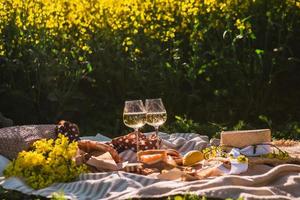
(48, 161)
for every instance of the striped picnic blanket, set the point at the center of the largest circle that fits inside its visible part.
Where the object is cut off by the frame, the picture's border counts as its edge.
(261, 182)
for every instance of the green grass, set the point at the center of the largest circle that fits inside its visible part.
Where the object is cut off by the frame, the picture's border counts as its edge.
(15, 195)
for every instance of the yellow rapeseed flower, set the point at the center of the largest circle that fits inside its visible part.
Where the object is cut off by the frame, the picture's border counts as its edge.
(50, 161)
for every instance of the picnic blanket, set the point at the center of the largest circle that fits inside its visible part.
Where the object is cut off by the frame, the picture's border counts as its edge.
(260, 181)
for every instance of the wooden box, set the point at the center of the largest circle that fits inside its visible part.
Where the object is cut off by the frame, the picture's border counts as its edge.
(245, 138)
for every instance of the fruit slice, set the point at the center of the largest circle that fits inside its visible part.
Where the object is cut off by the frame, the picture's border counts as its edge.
(192, 157)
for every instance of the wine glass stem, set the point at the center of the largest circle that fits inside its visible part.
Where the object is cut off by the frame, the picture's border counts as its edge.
(156, 134)
(137, 139)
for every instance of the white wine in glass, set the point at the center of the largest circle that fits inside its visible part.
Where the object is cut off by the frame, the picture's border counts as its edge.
(156, 119)
(134, 116)
(156, 113)
(134, 120)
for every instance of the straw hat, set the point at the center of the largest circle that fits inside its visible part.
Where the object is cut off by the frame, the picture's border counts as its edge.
(17, 138)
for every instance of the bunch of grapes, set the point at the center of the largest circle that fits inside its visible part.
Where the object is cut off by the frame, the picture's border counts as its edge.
(214, 151)
(282, 155)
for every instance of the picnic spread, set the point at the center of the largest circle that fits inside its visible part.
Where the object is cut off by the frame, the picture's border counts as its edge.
(241, 164)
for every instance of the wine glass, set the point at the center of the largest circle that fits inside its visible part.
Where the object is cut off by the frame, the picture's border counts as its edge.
(134, 116)
(156, 113)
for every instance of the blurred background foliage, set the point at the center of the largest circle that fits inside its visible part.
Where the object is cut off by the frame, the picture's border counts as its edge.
(217, 64)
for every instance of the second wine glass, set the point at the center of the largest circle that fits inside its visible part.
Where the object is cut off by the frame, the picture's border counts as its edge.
(156, 113)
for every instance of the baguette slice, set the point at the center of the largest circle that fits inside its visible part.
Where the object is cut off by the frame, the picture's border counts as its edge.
(160, 159)
(151, 157)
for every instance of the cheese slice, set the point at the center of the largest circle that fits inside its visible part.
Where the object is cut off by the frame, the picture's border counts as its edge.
(245, 138)
(103, 162)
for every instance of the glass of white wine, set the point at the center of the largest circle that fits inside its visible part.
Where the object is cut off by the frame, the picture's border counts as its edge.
(156, 113)
(134, 116)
